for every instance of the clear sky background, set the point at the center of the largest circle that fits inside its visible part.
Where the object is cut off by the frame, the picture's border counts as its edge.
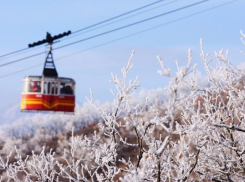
(24, 22)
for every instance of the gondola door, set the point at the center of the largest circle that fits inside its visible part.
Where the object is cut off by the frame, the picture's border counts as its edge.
(50, 95)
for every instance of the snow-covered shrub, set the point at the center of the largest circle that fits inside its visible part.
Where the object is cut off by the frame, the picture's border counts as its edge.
(196, 134)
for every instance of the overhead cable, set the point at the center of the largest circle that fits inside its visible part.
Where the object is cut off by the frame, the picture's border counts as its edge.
(131, 35)
(132, 24)
(96, 28)
(110, 31)
(90, 26)
(118, 16)
(19, 53)
(13, 52)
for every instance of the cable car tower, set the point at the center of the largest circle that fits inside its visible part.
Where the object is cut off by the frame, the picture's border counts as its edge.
(48, 92)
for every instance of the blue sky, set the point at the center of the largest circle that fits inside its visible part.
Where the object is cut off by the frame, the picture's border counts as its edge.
(24, 22)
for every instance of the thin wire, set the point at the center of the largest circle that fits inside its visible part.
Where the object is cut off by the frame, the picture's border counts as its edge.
(110, 31)
(21, 70)
(13, 52)
(104, 21)
(132, 24)
(21, 59)
(28, 50)
(118, 16)
(90, 30)
(69, 37)
(131, 35)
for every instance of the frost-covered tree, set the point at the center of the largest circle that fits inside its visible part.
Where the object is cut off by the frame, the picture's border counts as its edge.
(196, 134)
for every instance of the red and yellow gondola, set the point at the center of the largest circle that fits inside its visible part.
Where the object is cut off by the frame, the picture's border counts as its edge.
(48, 92)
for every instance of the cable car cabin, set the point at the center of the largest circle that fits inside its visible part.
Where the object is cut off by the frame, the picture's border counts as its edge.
(48, 94)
